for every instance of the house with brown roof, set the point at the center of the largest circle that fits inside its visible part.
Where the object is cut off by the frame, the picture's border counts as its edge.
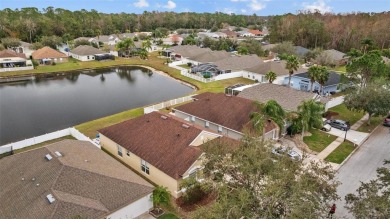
(209, 57)
(259, 71)
(13, 61)
(225, 114)
(70, 179)
(256, 32)
(89, 53)
(161, 147)
(229, 33)
(183, 52)
(47, 55)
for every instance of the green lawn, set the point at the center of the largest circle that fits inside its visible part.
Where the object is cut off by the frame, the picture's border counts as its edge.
(375, 121)
(318, 140)
(340, 69)
(168, 216)
(346, 115)
(340, 153)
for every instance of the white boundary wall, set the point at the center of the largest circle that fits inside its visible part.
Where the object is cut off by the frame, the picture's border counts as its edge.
(168, 103)
(46, 137)
(224, 76)
(198, 78)
(16, 69)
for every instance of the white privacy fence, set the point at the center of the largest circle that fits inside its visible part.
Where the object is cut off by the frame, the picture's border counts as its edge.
(17, 69)
(46, 137)
(198, 78)
(165, 104)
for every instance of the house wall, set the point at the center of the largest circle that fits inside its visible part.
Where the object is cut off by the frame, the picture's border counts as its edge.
(155, 175)
(254, 76)
(56, 60)
(212, 126)
(235, 74)
(134, 209)
(304, 84)
(83, 58)
(280, 80)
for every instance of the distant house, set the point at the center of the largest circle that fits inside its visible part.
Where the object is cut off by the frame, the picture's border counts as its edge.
(13, 61)
(89, 53)
(208, 57)
(287, 97)
(225, 114)
(172, 39)
(24, 48)
(245, 33)
(336, 57)
(108, 39)
(70, 179)
(259, 71)
(229, 33)
(256, 32)
(301, 81)
(47, 55)
(89, 39)
(163, 148)
(301, 51)
(183, 52)
(237, 63)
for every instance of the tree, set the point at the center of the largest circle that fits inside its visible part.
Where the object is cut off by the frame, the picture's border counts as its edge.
(51, 41)
(147, 45)
(313, 73)
(367, 67)
(322, 77)
(268, 111)
(36, 46)
(125, 46)
(286, 48)
(251, 182)
(310, 114)
(189, 40)
(372, 99)
(143, 54)
(292, 64)
(31, 27)
(373, 198)
(270, 76)
(367, 43)
(160, 197)
(242, 50)
(10, 43)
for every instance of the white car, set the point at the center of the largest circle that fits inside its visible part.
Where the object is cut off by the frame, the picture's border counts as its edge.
(285, 150)
(326, 128)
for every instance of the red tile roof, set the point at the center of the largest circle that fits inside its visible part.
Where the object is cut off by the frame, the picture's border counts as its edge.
(256, 32)
(229, 111)
(9, 53)
(158, 139)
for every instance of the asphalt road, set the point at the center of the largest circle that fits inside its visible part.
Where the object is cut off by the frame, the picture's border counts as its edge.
(361, 167)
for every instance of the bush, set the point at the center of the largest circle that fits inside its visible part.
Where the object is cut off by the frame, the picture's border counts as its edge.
(53, 63)
(35, 63)
(195, 192)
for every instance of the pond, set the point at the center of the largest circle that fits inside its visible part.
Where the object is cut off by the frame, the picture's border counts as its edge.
(33, 108)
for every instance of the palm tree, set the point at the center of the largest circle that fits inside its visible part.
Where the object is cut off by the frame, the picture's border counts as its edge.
(125, 45)
(292, 65)
(147, 45)
(322, 77)
(270, 76)
(143, 54)
(160, 197)
(367, 43)
(268, 111)
(313, 73)
(310, 114)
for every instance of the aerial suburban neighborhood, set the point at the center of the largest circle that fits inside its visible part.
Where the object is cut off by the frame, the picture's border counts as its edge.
(171, 109)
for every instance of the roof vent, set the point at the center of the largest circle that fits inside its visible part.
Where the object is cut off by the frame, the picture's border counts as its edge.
(178, 135)
(185, 126)
(48, 157)
(164, 117)
(50, 198)
(58, 154)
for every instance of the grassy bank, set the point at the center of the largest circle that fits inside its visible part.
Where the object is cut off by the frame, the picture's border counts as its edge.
(318, 140)
(340, 153)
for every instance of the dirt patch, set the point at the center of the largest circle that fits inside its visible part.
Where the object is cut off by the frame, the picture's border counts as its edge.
(207, 199)
(297, 139)
(331, 115)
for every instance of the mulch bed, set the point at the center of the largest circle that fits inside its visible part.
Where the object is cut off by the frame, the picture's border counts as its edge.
(331, 115)
(210, 197)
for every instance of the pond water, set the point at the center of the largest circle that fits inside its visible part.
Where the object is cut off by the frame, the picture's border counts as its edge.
(33, 108)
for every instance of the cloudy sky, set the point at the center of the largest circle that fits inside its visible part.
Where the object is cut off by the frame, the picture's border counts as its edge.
(260, 7)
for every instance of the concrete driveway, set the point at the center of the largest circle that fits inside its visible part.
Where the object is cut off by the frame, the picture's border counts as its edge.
(352, 135)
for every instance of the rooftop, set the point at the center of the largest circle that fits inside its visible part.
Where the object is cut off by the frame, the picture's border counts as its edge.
(10, 53)
(238, 62)
(189, 50)
(85, 50)
(334, 78)
(279, 67)
(47, 52)
(75, 180)
(210, 56)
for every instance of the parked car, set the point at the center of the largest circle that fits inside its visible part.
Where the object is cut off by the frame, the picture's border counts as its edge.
(285, 150)
(326, 128)
(387, 121)
(338, 124)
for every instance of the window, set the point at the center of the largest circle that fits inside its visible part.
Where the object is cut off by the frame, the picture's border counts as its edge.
(207, 124)
(219, 128)
(144, 167)
(119, 150)
(128, 153)
(193, 118)
(87, 57)
(253, 77)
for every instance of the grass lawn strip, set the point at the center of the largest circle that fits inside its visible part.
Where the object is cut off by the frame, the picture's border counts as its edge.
(341, 152)
(168, 216)
(375, 121)
(347, 115)
(318, 140)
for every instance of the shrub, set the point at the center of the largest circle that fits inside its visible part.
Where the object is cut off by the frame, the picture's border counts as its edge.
(53, 63)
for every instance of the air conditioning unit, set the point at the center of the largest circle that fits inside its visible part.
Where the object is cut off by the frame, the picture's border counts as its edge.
(50, 198)
(48, 157)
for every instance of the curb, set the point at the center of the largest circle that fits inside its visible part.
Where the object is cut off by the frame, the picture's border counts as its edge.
(357, 147)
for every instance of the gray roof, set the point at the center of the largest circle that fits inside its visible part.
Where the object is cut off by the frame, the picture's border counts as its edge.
(279, 67)
(106, 38)
(25, 44)
(238, 62)
(269, 46)
(334, 78)
(288, 98)
(334, 54)
(189, 50)
(85, 50)
(85, 182)
(301, 51)
(210, 56)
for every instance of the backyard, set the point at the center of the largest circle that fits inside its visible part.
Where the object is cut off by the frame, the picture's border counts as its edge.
(318, 140)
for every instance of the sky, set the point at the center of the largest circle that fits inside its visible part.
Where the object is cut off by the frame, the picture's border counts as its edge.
(260, 7)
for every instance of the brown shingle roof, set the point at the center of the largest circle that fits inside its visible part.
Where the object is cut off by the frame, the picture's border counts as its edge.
(238, 62)
(84, 182)
(189, 50)
(85, 50)
(279, 67)
(163, 143)
(210, 56)
(9, 53)
(47, 53)
(288, 98)
(229, 111)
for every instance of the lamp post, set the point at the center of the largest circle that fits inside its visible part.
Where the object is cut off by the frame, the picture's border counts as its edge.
(345, 136)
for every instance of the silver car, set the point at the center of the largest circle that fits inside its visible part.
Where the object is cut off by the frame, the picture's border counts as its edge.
(288, 151)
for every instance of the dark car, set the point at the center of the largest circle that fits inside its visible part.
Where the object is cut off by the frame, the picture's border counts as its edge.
(338, 124)
(387, 121)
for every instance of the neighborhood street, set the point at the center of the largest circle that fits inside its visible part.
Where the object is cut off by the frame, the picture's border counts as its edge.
(362, 166)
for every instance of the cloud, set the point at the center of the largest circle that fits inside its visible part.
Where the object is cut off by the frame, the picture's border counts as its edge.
(141, 4)
(170, 5)
(238, 0)
(318, 5)
(255, 5)
(229, 10)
